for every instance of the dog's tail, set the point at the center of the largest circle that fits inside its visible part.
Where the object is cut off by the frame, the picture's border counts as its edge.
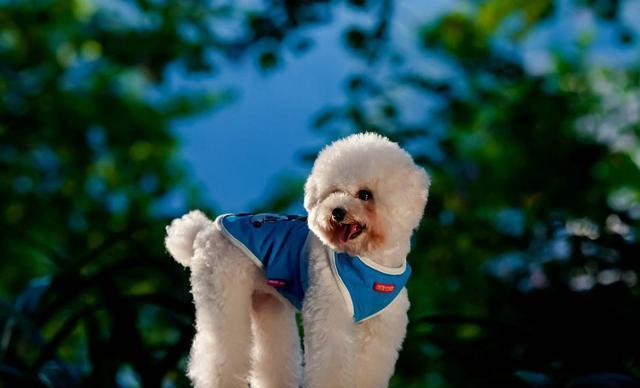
(182, 233)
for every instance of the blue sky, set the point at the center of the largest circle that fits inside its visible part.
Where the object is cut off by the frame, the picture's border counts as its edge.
(237, 152)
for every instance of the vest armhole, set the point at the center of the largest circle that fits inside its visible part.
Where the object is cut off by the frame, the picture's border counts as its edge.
(346, 295)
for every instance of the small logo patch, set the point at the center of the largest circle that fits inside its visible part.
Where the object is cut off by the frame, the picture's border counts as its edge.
(277, 283)
(381, 287)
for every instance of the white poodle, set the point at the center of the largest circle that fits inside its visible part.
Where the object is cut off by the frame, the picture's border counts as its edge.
(344, 267)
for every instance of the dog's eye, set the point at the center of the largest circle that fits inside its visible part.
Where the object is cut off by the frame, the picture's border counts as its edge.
(365, 195)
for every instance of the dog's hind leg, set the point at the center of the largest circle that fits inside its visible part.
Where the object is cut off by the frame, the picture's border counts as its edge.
(276, 356)
(222, 282)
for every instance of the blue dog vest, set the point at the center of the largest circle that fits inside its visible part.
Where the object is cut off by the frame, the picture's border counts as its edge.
(277, 244)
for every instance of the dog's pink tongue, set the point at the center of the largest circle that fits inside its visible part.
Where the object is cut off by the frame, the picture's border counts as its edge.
(347, 231)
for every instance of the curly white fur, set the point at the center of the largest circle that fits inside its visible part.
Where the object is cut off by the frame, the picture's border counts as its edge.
(182, 233)
(247, 333)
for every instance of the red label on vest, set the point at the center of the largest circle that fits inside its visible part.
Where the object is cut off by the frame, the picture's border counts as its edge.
(381, 287)
(277, 283)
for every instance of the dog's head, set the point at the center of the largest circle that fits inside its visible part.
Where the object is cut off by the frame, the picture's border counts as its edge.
(364, 194)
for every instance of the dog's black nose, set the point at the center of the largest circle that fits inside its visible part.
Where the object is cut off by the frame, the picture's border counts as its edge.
(338, 214)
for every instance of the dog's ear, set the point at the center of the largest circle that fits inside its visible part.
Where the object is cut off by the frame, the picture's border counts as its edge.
(310, 193)
(418, 185)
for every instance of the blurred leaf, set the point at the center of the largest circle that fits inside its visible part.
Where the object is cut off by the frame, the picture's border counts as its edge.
(358, 3)
(268, 60)
(355, 38)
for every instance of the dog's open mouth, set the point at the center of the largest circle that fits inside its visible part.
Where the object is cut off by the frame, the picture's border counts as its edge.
(349, 231)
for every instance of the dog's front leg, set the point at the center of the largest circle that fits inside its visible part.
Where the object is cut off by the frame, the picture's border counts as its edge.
(380, 339)
(329, 343)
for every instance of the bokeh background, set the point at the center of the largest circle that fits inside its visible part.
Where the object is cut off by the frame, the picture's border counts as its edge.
(118, 115)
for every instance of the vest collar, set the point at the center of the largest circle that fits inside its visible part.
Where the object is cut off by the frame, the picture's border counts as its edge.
(382, 268)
